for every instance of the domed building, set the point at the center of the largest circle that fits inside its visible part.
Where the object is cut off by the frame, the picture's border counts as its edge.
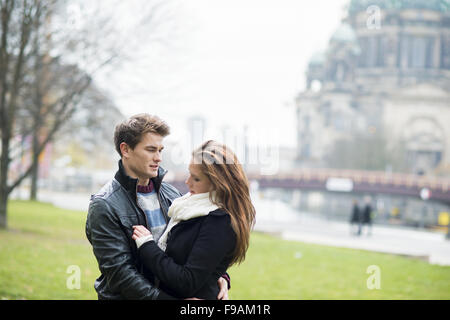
(386, 72)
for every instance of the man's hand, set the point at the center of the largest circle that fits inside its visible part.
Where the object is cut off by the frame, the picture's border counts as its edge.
(223, 286)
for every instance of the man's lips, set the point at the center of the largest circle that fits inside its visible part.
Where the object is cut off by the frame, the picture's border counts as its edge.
(154, 167)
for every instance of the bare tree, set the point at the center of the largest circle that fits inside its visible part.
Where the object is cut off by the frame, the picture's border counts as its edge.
(48, 59)
(17, 19)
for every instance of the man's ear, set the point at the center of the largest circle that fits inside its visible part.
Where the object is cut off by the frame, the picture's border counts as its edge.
(124, 150)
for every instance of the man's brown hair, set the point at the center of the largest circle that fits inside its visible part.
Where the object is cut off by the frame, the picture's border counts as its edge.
(131, 130)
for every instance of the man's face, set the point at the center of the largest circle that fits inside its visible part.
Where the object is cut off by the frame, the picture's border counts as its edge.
(143, 161)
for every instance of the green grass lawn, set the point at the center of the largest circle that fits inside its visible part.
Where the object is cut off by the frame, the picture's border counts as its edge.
(43, 241)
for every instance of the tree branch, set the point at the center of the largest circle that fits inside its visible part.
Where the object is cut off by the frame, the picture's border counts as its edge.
(63, 115)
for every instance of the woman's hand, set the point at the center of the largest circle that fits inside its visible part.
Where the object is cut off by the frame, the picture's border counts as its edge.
(141, 235)
(140, 231)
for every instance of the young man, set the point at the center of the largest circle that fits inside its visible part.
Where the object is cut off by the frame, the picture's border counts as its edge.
(135, 196)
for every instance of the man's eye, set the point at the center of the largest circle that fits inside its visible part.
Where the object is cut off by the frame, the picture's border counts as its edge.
(196, 180)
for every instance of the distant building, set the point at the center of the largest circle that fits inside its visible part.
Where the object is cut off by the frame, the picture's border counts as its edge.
(386, 71)
(196, 128)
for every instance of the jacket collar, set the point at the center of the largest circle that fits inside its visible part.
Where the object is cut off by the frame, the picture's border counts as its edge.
(218, 212)
(159, 178)
(130, 184)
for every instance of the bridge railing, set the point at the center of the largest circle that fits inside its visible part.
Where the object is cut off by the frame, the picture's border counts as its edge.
(370, 181)
(358, 176)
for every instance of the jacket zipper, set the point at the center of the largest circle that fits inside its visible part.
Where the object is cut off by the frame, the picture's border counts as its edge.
(139, 207)
(166, 217)
(156, 279)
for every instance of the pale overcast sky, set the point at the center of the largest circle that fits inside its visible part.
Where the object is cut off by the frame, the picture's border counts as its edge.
(234, 62)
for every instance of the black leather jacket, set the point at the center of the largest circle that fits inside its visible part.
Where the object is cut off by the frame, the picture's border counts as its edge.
(112, 213)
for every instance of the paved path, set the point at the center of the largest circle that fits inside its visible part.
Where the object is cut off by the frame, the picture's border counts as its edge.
(427, 245)
(65, 200)
(277, 217)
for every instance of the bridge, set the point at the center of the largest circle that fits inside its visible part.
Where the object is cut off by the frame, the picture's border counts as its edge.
(355, 181)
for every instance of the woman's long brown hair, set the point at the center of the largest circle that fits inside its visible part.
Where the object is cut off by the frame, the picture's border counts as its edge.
(232, 190)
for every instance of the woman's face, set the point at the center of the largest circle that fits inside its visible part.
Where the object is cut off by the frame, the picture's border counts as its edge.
(197, 182)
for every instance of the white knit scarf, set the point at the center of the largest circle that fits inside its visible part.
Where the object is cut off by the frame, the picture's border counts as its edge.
(184, 208)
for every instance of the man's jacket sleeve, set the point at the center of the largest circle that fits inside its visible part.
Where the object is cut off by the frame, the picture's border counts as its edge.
(113, 252)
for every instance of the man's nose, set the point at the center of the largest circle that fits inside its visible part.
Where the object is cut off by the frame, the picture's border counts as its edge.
(158, 157)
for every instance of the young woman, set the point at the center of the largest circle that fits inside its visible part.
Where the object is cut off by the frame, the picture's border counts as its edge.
(209, 227)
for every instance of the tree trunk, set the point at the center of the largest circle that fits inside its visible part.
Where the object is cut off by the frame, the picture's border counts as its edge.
(35, 168)
(34, 181)
(3, 210)
(4, 192)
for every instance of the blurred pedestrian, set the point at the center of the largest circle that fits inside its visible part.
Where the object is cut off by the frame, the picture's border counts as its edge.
(367, 216)
(355, 219)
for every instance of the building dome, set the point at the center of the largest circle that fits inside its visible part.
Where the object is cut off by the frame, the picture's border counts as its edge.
(344, 33)
(435, 5)
(317, 59)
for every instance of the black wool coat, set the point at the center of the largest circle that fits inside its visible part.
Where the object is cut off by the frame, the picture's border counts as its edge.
(198, 252)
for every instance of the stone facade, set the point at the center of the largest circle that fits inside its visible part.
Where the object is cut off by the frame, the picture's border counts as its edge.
(386, 70)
